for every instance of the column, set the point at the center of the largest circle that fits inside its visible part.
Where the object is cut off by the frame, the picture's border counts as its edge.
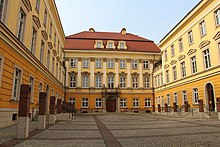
(67, 72)
(92, 76)
(59, 109)
(158, 108)
(174, 107)
(140, 69)
(116, 73)
(79, 70)
(104, 72)
(129, 73)
(52, 116)
(23, 112)
(186, 106)
(104, 103)
(218, 107)
(42, 110)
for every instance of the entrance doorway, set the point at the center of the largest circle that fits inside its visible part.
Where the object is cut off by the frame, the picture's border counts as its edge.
(210, 96)
(111, 104)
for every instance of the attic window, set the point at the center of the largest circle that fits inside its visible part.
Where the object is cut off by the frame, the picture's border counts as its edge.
(99, 45)
(110, 45)
(122, 45)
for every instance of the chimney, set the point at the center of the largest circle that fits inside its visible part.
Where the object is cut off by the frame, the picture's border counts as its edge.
(91, 30)
(123, 31)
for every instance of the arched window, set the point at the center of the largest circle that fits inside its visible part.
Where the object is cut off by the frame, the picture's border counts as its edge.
(73, 80)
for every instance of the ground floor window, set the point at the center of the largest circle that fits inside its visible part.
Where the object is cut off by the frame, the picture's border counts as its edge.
(195, 95)
(175, 98)
(98, 103)
(135, 102)
(123, 103)
(147, 102)
(72, 101)
(85, 102)
(184, 95)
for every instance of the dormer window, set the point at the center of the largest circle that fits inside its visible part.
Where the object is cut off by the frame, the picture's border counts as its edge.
(110, 44)
(98, 44)
(122, 45)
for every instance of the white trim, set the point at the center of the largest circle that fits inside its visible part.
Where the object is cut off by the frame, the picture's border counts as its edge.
(19, 88)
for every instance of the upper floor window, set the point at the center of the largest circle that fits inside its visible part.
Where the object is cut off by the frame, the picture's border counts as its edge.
(122, 81)
(193, 64)
(16, 84)
(206, 56)
(122, 45)
(111, 44)
(174, 73)
(2, 6)
(183, 69)
(147, 102)
(161, 78)
(134, 64)
(42, 52)
(85, 63)
(99, 45)
(122, 63)
(202, 28)
(167, 76)
(145, 64)
(98, 81)
(51, 27)
(217, 17)
(190, 37)
(53, 62)
(45, 18)
(37, 7)
(172, 51)
(31, 83)
(165, 55)
(48, 59)
(73, 62)
(55, 38)
(21, 24)
(135, 81)
(110, 81)
(98, 63)
(146, 82)
(110, 63)
(73, 80)
(33, 40)
(180, 44)
(85, 81)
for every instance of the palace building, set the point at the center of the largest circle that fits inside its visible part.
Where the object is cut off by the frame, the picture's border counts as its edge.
(189, 69)
(110, 72)
(31, 43)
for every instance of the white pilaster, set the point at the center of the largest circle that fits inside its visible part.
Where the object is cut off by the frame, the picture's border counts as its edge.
(104, 72)
(67, 74)
(116, 73)
(128, 73)
(79, 76)
(140, 69)
(92, 75)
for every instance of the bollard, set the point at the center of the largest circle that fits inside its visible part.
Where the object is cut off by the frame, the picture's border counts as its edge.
(59, 106)
(186, 106)
(52, 116)
(23, 112)
(153, 109)
(174, 107)
(42, 110)
(159, 109)
(201, 108)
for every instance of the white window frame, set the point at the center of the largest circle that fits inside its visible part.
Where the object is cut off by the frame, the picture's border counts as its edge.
(134, 64)
(184, 96)
(175, 97)
(206, 58)
(172, 51)
(45, 18)
(193, 64)
(31, 83)
(73, 62)
(146, 82)
(195, 95)
(165, 55)
(98, 81)
(167, 76)
(98, 103)
(85, 81)
(136, 103)
(180, 45)
(85, 103)
(217, 17)
(147, 102)
(135, 81)
(18, 78)
(190, 37)
(72, 80)
(33, 40)
(85, 63)
(48, 59)
(42, 51)
(99, 44)
(110, 63)
(21, 24)
(168, 99)
(122, 64)
(72, 101)
(98, 63)
(202, 28)
(110, 81)
(121, 45)
(183, 69)
(122, 81)
(110, 45)
(174, 73)
(145, 64)
(123, 103)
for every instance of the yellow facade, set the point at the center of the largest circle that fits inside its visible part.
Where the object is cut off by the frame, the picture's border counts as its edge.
(23, 60)
(192, 63)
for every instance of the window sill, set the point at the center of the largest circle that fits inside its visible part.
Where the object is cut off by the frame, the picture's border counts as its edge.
(14, 100)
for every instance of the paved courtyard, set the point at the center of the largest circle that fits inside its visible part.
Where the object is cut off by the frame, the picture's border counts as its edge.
(128, 130)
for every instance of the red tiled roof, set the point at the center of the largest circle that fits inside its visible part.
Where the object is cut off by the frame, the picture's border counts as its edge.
(86, 40)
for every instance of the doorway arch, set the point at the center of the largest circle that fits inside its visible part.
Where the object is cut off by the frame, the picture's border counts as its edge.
(111, 104)
(210, 96)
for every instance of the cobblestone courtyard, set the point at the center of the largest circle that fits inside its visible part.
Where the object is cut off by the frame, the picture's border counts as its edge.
(128, 130)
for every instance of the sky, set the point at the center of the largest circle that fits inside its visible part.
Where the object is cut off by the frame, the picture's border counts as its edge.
(151, 19)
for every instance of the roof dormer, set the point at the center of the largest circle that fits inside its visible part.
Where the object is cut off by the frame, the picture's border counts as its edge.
(98, 44)
(110, 44)
(122, 45)
(123, 31)
(92, 30)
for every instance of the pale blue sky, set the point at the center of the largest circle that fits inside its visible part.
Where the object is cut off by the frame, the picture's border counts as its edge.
(151, 19)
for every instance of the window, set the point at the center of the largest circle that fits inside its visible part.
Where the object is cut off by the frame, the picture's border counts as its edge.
(195, 96)
(110, 45)
(16, 84)
(110, 81)
(147, 102)
(85, 81)
(21, 24)
(73, 80)
(174, 73)
(31, 83)
(172, 51)
(202, 28)
(48, 59)
(167, 76)
(183, 69)
(51, 26)
(136, 102)
(2, 4)
(42, 52)
(193, 64)
(158, 100)
(57, 69)
(175, 98)
(98, 102)
(37, 5)
(206, 56)
(73, 62)
(123, 103)
(85, 102)
(161, 78)
(98, 63)
(145, 64)
(122, 45)
(45, 18)
(184, 96)
(98, 81)
(72, 101)
(135, 82)
(85, 63)
(165, 55)
(122, 64)
(158, 80)
(122, 81)
(55, 40)
(33, 41)
(134, 64)
(110, 63)
(99, 45)
(53, 60)
(168, 99)
(146, 82)
(180, 44)
(190, 36)
(217, 17)
(162, 101)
